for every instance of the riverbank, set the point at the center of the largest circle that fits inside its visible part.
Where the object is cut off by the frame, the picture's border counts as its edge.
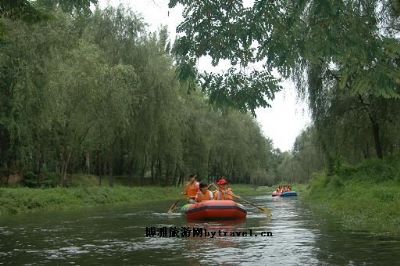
(363, 198)
(24, 200)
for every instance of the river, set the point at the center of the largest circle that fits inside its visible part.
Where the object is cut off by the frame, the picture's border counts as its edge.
(116, 236)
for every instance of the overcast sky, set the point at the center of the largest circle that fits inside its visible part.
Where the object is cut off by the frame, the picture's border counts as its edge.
(281, 123)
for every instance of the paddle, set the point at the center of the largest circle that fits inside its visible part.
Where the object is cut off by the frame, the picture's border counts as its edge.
(173, 206)
(265, 210)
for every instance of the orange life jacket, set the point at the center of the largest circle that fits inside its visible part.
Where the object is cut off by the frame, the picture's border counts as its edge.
(203, 197)
(191, 190)
(224, 194)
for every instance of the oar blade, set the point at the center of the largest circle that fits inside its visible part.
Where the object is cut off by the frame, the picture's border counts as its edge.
(266, 210)
(173, 207)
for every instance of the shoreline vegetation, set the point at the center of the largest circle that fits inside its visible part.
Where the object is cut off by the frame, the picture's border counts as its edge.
(364, 197)
(25, 200)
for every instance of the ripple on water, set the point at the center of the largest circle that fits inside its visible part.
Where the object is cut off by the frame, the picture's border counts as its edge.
(116, 245)
(256, 215)
(165, 214)
(129, 214)
(64, 252)
(52, 230)
(133, 227)
(96, 217)
(5, 231)
(296, 240)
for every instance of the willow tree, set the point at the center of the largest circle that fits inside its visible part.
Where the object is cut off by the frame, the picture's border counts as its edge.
(322, 45)
(26, 61)
(97, 93)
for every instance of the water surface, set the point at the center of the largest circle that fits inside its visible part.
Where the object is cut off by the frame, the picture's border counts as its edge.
(116, 236)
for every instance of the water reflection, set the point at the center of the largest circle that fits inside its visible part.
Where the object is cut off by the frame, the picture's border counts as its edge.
(215, 232)
(340, 247)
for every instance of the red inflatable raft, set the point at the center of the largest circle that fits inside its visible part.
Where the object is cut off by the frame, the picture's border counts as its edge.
(215, 210)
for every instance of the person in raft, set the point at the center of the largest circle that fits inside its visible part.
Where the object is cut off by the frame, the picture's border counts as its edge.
(191, 189)
(224, 192)
(204, 194)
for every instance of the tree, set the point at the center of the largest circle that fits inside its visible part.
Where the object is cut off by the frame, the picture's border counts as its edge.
(97, 94)
(324, 46)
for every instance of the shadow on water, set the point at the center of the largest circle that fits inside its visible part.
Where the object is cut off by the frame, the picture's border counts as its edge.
(337, 246)
(116, 236)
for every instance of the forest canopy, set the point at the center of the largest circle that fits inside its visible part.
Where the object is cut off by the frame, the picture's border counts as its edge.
(342, 55)
(97, 93)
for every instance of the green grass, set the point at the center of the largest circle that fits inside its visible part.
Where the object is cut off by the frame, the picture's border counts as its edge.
(23, 200)
(365, 197)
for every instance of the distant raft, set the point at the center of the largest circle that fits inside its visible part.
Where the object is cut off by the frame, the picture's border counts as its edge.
(214, 210)
(284, 194)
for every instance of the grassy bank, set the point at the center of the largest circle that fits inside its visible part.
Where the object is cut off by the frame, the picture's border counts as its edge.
(23, 200)
(365, 197)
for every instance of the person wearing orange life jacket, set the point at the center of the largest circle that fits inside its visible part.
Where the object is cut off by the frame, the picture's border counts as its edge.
(191, 189)
(224, 192)
(204, 194)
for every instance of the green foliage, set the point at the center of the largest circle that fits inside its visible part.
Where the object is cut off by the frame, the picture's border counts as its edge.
(32, 11)
(374, 171)
(20, 200)
(240, 91)
(97, 94)
(305, 159)
(23, 200)
(41, 180)
(21, 10)
(343, 56)
(360, 205)
(223, 30)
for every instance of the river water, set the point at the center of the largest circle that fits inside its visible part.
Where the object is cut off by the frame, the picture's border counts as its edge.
(117, 236)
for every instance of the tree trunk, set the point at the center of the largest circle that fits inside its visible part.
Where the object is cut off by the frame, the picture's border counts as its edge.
(377, 140)
(376, 134)
(366, 151)
(329, 161)
(167, 174)
(159, 170)
(175, 175)
(88, 163)
(152, 171)
(65, 169)
(98, 166)
(143, 170)
(375, 128)
(181, 178)
(8, 172)
(39, 168)
(131, 178)
(104, 166)
(111, 176)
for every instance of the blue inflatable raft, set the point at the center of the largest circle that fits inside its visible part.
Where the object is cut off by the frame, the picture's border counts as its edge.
(288, 194)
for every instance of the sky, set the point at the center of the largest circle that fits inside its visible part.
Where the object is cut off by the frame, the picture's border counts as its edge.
(282, 123)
